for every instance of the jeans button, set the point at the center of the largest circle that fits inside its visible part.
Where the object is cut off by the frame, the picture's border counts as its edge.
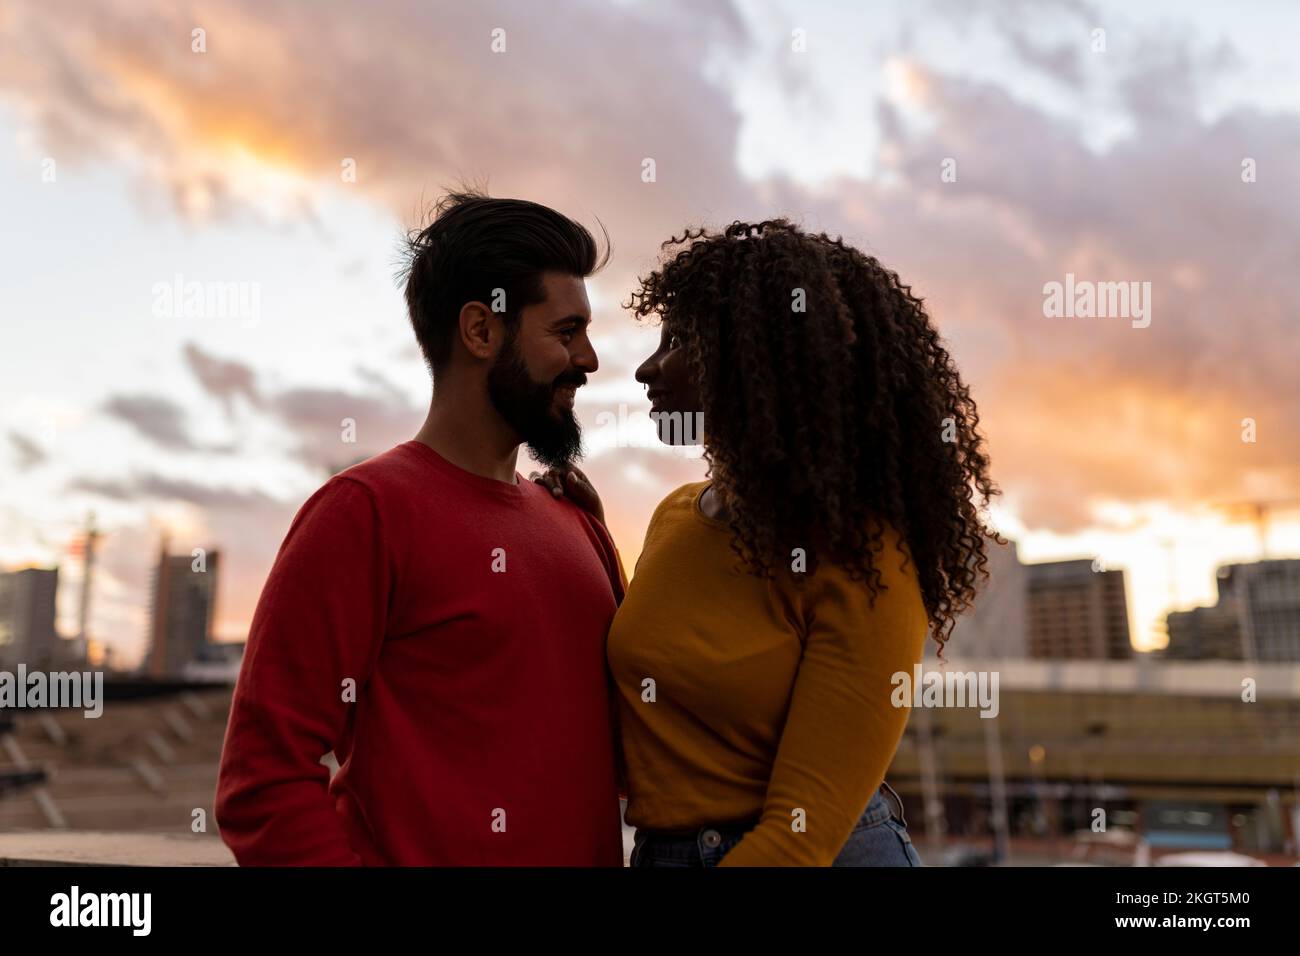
(711, 838)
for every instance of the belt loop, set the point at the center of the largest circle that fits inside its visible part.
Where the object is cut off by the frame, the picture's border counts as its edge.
(897, 800)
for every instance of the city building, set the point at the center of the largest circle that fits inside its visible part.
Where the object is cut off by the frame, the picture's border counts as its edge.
(183, 600)
(996, 625)
(1169, 750)
(1076, 612)
(1266, 599)
(1203, 633)
(27, 611)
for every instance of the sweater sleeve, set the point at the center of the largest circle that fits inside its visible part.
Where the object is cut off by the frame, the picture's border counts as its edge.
(603, 542)
(622, 574)
(618, 582)
(842, 730)
(319, 623)
(620, 761)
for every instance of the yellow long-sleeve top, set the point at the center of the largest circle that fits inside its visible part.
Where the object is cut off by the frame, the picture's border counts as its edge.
(766, 699)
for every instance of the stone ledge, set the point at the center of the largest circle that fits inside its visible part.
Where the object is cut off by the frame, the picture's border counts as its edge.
(87, 848)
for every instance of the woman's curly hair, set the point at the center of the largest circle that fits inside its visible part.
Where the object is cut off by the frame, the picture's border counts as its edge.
(819, 423)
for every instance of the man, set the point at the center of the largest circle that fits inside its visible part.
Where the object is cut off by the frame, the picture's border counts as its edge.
(431, 618)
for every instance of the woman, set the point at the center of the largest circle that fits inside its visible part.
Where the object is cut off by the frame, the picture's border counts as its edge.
(771, 606)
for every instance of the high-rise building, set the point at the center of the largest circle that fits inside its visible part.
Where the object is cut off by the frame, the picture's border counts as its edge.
(1203, 633)
(1265, 597)
(1077, 613)
(995, 626)
(27, 610)
(184, 601)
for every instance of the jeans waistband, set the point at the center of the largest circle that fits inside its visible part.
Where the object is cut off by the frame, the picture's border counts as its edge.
(884, 803)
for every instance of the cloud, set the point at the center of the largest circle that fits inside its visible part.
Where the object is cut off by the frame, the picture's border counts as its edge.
(631, 482)
(160, 420)
(1080, 411)
(1032, 200)
(1077, 412)
(380, 381)
(261, 122)
(158, 487)
(221, 378)
(244, 525)
(333, 428)
(29, 453)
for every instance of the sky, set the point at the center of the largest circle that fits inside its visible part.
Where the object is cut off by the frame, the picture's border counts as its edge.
(281, 153)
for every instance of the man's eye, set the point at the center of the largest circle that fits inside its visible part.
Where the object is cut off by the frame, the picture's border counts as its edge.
(568, 332)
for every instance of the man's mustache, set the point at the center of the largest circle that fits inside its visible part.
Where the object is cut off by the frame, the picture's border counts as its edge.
(578, 379)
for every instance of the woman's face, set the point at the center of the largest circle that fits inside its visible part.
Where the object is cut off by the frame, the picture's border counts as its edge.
(674, 396)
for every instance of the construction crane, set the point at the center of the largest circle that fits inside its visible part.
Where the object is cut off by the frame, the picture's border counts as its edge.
(84, 547)
(1258, 511)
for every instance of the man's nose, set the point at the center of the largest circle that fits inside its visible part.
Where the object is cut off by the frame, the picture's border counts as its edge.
(585, 358)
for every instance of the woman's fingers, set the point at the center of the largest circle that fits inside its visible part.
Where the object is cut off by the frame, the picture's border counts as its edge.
(573, 483)
(550, 479)
(579, 481)
(583, 493)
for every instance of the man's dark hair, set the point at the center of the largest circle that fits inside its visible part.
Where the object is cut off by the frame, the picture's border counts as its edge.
(475, 245)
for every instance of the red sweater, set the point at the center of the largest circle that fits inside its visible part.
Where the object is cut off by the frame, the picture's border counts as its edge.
(479, 731)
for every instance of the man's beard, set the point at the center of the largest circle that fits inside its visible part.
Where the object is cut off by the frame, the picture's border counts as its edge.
(553, 436)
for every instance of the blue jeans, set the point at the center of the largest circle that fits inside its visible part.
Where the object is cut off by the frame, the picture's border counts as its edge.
(879, 838)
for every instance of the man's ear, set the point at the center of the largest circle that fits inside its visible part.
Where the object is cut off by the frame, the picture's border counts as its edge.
(479, 330)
